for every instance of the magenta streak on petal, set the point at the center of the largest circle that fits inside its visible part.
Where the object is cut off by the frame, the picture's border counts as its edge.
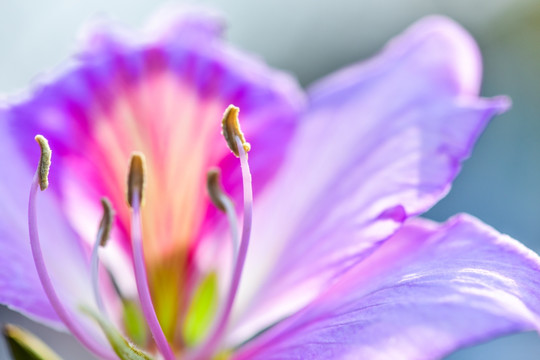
(47, 283)
(221, 324)
(142, 283)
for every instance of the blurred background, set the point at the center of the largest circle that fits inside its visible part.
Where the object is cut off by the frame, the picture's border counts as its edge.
(500, 184)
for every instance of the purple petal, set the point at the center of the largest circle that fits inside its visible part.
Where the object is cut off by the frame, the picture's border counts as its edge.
(382, 141)
(427, 291)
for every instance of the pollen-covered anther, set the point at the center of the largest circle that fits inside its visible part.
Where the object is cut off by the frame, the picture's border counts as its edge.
(215, 190)
(44, 162)
(136, 178)
(230, 129)
(105, 224)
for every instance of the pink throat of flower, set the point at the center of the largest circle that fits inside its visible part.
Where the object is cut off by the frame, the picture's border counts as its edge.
(136, 183)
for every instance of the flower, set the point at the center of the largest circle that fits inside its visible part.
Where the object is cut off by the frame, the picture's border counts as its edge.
(338, 264)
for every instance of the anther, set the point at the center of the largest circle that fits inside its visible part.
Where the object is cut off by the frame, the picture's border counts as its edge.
(230, 129)
(136, 177)
(44, 162)
(215, 191)
(105, 225)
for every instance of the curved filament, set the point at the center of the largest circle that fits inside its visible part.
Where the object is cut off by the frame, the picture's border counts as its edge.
(101, 350)
(221, 324)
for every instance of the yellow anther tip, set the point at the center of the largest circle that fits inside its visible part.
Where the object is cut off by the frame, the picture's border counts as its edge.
(44, 162)
(230, 128)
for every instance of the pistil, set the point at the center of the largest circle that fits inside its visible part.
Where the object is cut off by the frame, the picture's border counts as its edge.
(136, 183)
(41, 180)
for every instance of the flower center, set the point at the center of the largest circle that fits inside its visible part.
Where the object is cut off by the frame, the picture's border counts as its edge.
(204, 322)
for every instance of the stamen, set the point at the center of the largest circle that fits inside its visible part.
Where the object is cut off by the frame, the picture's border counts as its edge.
(230, 129)
(224, 203)
(40, 179)
(216, 336)
(136, 179)
(101, 240)
(44, 162)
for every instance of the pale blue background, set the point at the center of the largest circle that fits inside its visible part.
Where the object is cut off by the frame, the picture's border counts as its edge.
(500, 184)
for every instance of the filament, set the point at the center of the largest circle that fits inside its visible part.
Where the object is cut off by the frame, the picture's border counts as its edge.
(95, 275)
(141, 279)
(98, 349)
